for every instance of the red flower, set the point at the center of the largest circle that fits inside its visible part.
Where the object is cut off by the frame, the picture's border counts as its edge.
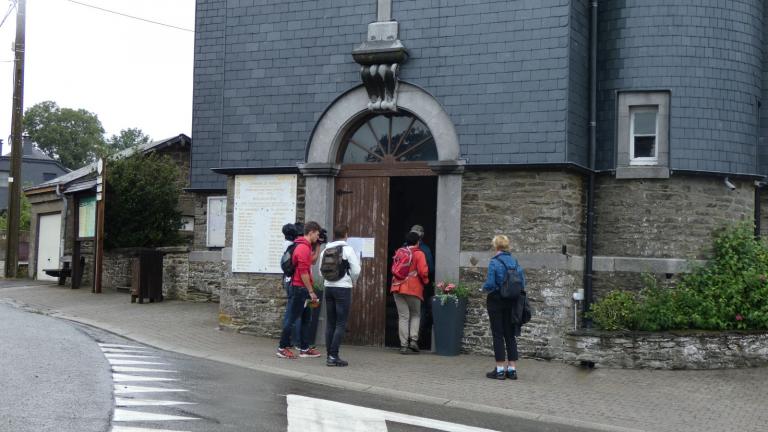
(441, 285)
(739, 317)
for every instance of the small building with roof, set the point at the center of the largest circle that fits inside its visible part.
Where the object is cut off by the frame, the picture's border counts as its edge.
(36, 168)
(61, 213)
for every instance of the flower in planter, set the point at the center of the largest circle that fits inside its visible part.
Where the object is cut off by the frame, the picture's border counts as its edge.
(447, 290)
(739, 317)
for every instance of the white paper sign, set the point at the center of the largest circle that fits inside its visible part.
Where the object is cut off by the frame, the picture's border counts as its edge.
(357, 245)
(262, 205)
(369, 246)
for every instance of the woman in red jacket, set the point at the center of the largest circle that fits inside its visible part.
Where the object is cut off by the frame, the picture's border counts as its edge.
(409, 293)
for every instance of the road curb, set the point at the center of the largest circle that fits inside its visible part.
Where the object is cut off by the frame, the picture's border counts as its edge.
(318, 379)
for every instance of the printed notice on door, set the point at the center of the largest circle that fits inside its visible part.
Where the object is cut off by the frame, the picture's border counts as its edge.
(263, 204)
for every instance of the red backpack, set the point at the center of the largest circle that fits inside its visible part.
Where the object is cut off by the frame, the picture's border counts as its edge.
(401, 263)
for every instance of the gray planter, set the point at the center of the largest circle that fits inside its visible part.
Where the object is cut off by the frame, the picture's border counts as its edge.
(448, 325)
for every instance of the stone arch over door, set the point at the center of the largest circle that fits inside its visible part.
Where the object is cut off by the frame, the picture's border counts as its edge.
(321, 167)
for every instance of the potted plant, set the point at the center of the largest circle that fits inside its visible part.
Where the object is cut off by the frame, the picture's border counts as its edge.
(449, 306)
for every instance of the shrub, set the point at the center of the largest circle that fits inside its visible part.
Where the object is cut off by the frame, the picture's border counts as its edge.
(141, 202)
(729, 292)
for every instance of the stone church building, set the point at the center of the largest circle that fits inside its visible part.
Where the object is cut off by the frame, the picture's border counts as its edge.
(606, 138)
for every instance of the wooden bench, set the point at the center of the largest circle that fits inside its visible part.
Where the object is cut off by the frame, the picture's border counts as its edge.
(61, 273)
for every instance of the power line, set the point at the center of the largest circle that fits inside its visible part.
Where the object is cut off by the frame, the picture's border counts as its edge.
(131, 16)
(10, 9)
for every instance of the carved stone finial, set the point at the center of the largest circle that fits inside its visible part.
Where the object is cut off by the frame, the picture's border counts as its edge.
(380, 58)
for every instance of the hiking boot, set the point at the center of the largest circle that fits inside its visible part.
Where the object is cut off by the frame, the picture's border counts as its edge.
(335, 361)
(496, 375)
(285, 353)
(309, 352)
(413, 346)
(511, 374)
(405, 350)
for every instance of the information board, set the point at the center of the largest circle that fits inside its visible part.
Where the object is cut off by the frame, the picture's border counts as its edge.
(262, 205)
(86, 217)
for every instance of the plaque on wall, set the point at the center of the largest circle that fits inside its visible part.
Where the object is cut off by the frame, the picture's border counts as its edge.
(86, 217)
(262, 205)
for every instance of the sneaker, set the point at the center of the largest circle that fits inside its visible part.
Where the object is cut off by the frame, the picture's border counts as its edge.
(309, 352)
(285, 353)
(511, 374)
(414, 347)
(496, 375)
(335, 361)
(405, 350)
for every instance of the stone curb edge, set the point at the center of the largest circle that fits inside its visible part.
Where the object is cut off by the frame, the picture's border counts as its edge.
(316, 379)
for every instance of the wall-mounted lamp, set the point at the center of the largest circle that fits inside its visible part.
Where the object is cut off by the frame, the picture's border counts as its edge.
(728, 184)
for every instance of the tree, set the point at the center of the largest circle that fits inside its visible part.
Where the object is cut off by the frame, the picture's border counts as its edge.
(26, 215)
(141, 202)
(72, 137)
(127, 138)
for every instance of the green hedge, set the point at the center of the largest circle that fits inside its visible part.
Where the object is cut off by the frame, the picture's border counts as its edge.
(730, 292)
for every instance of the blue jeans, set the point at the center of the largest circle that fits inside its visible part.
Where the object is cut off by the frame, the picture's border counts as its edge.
(297, 311)
(296, 329)
(337, 301)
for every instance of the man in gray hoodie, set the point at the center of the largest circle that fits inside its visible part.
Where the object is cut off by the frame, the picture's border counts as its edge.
(338, 293)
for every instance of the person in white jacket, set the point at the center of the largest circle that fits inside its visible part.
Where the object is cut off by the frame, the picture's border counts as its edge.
(338, 295)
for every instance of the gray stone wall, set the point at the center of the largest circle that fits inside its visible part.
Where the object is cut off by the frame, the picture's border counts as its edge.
(540, 212)
(708, 54)
(117, 270)
(205, 280)
(672, 218)
(252, 303)
(175, 272)
(679, 350)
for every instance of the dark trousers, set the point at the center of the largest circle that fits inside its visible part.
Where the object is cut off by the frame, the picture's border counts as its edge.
(296, 324)
(337, 301)
(502, 327)
(297, 310)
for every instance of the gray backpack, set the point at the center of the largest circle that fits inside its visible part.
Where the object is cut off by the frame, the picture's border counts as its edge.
(333, 266)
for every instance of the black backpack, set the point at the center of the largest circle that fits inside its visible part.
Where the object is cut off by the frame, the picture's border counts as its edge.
(514, 281)
(286, 261)
(333, 266)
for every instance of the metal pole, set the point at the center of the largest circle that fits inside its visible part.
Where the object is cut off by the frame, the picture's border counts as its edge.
(14, 179)
(588, 270)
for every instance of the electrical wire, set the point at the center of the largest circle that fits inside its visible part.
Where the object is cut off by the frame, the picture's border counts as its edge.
(131, 16)
(7, 14)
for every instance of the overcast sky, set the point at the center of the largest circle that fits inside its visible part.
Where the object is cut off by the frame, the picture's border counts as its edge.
(128, 72)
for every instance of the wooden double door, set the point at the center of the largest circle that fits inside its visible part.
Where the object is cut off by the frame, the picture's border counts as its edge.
(364, 204)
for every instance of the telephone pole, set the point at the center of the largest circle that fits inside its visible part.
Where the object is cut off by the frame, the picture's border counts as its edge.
(14, 179)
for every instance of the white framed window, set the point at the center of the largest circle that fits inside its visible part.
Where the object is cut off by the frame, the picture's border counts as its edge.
(216, 221)
(4, 179)
(642, 138)
(643, 135)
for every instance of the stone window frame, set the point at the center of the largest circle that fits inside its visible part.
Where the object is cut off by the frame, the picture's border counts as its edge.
(628, 103)
(208, 222)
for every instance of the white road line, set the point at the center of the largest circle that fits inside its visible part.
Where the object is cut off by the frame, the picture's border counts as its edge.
(307, 414)
(132, 362)
(123, 351)
(126, 389)
(109, 356)
(118, 377)
(125, 402)
(107, 345)
(135, 429)
(138, 369)
(124, 415)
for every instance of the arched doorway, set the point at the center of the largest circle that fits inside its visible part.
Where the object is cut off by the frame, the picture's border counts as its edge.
(357, 168)
(384, 187)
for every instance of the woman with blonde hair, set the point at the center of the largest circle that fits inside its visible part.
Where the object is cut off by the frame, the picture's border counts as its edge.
(500, 312)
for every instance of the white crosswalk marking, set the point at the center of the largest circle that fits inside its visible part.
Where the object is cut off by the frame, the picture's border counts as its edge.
(125, 402)
(139, 369)
(132, 362)
(123, 415)
(118, 377)
(108, 345)
(123, 351)
(306, 414)
(135, 429)
(127, 389)
(109, 356)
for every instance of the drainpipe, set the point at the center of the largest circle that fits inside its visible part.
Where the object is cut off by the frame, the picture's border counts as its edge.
(590, 234)
(63, 235)
(758, 214)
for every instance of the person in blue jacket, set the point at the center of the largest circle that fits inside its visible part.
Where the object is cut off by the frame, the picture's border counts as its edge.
(500, 310)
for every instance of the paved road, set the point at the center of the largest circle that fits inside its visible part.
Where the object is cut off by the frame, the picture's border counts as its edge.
(53, 376)
(206, 396)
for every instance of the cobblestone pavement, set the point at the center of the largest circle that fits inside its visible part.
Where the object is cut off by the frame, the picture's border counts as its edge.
(602, 399)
